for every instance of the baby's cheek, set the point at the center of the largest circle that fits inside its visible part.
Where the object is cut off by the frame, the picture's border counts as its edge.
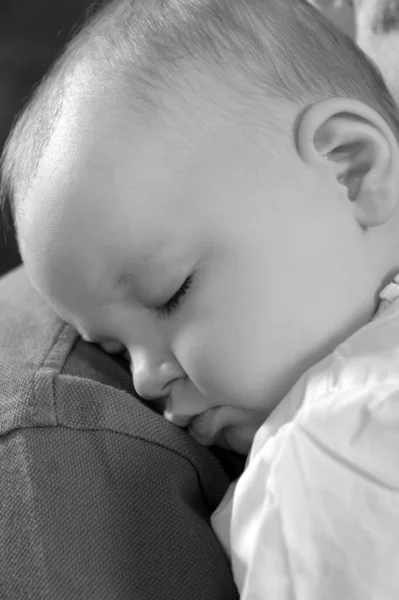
(214, 362)
(206, 370)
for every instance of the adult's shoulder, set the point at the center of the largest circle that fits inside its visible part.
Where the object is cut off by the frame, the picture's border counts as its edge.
(28, 327)
(34, 344)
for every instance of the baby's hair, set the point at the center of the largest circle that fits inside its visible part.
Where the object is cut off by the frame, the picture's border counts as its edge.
(259, 49)
(386, 18)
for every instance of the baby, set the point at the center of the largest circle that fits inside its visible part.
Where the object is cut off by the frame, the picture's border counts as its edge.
(213, 186)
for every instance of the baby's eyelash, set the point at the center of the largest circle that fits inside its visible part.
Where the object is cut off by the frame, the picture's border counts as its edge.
(167, 309)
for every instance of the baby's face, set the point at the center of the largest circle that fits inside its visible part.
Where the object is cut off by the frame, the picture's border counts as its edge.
(207, 249)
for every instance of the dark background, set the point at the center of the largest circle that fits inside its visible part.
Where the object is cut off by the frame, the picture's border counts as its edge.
(32, 34)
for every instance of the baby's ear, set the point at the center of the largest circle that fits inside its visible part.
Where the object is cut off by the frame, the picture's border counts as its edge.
(354, 142)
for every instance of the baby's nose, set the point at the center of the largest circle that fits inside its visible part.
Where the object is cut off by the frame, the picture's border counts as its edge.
(152, 379)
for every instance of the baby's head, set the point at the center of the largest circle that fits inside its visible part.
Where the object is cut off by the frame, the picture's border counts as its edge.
(212, 185)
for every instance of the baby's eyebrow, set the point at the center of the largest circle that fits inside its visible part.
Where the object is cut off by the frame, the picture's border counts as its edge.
(129, 276)
(123, 280)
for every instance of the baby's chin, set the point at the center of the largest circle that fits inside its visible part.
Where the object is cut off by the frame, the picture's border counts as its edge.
(238, 439)
(229, 427)
(235, 438)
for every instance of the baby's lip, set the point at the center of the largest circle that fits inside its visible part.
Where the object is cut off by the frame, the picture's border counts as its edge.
(203, 427)
(173, 415)
(179, 420)
(187, 421)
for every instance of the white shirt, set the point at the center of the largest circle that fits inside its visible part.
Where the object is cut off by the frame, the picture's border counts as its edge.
(315, 515)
